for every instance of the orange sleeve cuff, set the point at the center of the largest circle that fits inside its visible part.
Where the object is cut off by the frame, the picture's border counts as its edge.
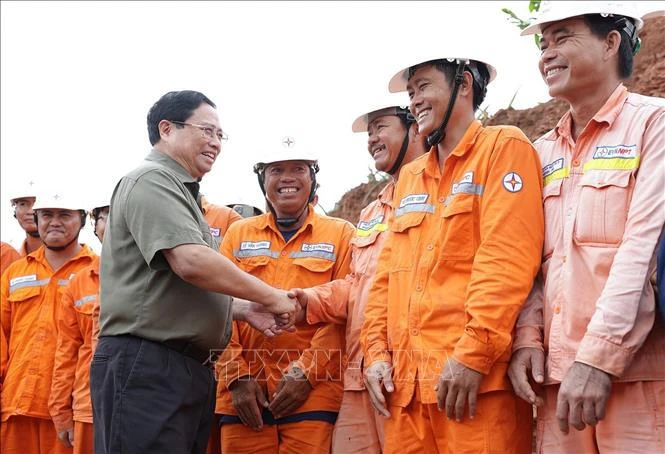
(474, 354)
(63, 421)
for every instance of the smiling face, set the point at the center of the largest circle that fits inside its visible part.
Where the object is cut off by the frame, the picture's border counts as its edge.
(288, 185)
(429, 92)
(572, 59)
(58, 227)
(384, 142)
(188, 144)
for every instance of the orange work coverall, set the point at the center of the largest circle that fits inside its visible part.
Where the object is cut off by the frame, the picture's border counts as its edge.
(219, 219)
(7, 256)
(69, 403)
(29, 301)
(359, 428)
(461, 255)
(319, 252)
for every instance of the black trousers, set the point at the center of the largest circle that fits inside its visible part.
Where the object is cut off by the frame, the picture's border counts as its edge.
(147, 398)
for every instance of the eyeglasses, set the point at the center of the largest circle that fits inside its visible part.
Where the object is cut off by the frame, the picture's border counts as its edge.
(207, 132)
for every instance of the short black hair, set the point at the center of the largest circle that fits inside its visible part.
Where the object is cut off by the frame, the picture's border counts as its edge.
(449, 68)
(174, 106)
(601, 26)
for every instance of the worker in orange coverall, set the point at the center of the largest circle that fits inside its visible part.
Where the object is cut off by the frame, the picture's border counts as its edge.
(22, 199)
(282, 394)
(462, 251)
(30, 296)
(589, 346)
(69, 403)
(392, 141)
(7, 255)
(219, 217)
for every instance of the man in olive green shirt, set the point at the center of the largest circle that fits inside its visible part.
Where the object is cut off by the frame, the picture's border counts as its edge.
(163, 292)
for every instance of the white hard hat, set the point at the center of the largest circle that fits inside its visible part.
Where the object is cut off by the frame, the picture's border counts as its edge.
(553, 11)
(23, 191)
(97, 207)
(389, 104)
(59, 200)
(101, 203)
(399, 80)
(290, 150)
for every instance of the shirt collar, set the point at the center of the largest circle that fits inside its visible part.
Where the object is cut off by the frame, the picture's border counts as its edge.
(465, 144)
(170, 163)
(39, 255)
(386, 194)
(607, 114)
(612, 107)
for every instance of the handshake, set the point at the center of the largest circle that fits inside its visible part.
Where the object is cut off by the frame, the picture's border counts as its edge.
(286, 309)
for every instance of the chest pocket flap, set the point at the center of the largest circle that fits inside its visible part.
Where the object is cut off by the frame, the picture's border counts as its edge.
(314, 264)
(25, 292)
(85, 304)
(459, 204)
(406, 221)
(603, 178)
(249, 263)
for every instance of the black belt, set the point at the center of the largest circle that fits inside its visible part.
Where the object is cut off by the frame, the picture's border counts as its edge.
(207, 357)
(269, 420)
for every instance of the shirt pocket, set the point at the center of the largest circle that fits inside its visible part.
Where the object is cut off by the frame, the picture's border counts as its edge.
(316, 266)
(25, 294)
(602, 210)
(552, 207)
(361, 255)
(24, 315)
(458, 229)
(250, 264)
(406, 239)
(85, 305)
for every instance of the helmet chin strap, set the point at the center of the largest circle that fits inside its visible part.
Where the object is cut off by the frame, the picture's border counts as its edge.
(436, 136)
(288, 222)
(34, 233)
(408, 121)
(61, 248)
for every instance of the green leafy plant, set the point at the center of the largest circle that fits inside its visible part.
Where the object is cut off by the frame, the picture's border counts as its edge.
(534, 6)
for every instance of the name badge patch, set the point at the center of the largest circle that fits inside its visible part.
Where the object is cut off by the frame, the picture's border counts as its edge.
(367, 225)
(552, 167)
(615, 157)
(318, 247)
(617, 151)
(413, 199)
(214, 231)
(254, 245)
